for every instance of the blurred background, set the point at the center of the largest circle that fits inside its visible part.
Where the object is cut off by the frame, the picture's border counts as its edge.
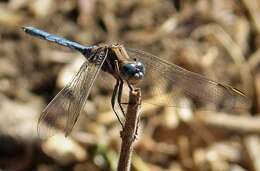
(216, 38)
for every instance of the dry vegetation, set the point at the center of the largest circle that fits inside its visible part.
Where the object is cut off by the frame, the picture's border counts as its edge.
(217, 38)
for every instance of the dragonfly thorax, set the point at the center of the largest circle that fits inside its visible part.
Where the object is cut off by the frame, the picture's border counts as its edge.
(133, 72)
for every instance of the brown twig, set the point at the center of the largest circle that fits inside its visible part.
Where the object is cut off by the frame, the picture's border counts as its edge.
(252, 146)
(128, 134)
(238, 123)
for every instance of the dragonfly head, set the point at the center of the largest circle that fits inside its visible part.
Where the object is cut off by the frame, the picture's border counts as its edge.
(133, 72)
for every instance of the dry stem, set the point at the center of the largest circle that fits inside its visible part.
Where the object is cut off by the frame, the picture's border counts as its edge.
(128, 134)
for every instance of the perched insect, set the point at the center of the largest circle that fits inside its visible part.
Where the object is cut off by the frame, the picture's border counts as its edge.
(128, 66)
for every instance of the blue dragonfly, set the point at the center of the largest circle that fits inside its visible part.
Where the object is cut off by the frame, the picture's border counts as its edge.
(128, 66)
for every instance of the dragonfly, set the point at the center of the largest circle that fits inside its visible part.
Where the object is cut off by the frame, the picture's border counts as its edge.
(129, 67)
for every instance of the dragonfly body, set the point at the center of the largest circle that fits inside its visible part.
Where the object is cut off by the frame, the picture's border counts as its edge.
(131, 71)
(85, 50)
(127, 66)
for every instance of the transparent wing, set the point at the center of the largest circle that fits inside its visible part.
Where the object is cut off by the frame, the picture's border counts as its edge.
(62, 112)
(176, 80)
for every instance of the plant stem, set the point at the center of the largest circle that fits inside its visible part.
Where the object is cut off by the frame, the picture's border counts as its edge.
(128, 134)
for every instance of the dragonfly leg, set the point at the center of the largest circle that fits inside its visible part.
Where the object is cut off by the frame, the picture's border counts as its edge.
(131, 88)
(137, 127)
(119, 97)
(113, 100)
(120, 86)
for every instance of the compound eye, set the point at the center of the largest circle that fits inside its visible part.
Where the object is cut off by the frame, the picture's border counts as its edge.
(128, 69)
(133, 72)
(140, 66)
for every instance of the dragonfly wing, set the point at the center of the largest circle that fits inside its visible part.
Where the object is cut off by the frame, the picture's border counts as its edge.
(63, 111)
(180, 80)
